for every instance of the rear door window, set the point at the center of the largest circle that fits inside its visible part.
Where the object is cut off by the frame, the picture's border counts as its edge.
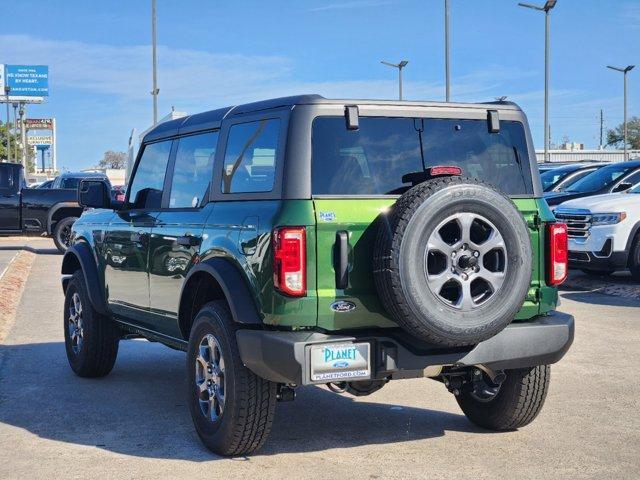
(193, 170)
(374, 159)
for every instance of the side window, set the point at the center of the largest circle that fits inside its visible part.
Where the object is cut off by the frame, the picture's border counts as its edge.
(633, 178)
(7, 179)
(250, 157)
(148, 180)
(193, 170)
(70, 183)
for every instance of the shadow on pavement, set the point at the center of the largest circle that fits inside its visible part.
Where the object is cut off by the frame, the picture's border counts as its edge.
(139, 409)
(594, 297)
(29, 248)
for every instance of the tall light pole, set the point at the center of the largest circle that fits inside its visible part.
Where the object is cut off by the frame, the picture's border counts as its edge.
(546, 8)
(15, 130)
(155, 90)
(624, 71)
(399, 66)
(7, 89)
(447, 76)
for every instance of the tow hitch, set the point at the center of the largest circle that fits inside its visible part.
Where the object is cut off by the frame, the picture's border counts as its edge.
(482, 382)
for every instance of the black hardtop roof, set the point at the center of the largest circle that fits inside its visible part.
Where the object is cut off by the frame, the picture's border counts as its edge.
(211, 119)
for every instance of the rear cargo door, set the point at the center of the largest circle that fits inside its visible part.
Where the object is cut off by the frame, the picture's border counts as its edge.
(346, 230)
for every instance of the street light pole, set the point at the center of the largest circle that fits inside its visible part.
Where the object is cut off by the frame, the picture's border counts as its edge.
(399, 66)
(447, 75)
(155, 90)
(546, 8)
(15, 130)
(624, 71)
(7, 89)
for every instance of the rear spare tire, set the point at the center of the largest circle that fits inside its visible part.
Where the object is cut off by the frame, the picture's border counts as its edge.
(452, 261)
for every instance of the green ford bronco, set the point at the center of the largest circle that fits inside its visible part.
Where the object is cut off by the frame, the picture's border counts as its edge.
(304, 241)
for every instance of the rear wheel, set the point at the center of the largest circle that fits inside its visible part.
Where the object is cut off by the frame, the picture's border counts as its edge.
(514, 404)
(91, 339)
(62, 233)
(231, 407)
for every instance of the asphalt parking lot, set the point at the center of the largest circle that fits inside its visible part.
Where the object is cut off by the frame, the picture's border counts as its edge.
(134, 423)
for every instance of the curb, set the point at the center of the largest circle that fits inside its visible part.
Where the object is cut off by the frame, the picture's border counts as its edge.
(12, 283)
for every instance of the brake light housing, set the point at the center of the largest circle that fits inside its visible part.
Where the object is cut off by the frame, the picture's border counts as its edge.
(557, 253)
(290, 260)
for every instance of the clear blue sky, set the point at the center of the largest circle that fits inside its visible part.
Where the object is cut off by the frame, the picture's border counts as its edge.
(214, 53)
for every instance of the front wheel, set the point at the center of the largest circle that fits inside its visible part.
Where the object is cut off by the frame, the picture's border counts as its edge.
(231, 407)
(91, 339)
(62, 233)
(514, 404)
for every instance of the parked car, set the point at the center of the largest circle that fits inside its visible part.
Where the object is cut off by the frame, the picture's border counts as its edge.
(71, 180)
(614, 178)
(35, 210)
(305, 241)
(557, 179)
(604, 232)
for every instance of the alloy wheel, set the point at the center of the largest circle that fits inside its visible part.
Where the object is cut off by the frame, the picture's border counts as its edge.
(465, 261)
(210, 378)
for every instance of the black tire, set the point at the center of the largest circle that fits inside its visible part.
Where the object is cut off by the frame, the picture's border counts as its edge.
(62, 233)
(95, 354)
(244, 423)
(597, 273)
(634, 258)
(517, 403)
(401, 280)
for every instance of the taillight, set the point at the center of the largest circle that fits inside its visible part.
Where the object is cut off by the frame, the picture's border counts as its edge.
(290, 260)
(557, 253)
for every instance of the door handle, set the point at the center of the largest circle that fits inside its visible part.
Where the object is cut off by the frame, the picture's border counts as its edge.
(341, 259)
(188, 241)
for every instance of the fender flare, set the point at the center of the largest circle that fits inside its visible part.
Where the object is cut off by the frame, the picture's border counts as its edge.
(632, 236)
(57, 206)
(236, 291)
(80, 254)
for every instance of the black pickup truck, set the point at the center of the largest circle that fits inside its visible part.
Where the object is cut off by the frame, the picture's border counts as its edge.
(29, 210)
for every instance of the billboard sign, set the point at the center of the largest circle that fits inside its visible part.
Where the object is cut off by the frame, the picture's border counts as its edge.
(36, 140)
(38, 123)
(2, 92)
(27, 80)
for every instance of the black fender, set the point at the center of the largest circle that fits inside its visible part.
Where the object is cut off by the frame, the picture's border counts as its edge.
(234, 287)
(57, 206)
(632, 236)
(79, 256)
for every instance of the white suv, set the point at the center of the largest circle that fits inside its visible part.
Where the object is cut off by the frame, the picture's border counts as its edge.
(604, 232)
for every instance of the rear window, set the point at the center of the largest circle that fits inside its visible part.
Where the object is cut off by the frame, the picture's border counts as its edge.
(373, 159)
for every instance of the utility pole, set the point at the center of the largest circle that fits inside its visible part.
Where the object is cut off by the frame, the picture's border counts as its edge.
(624, 71)
(447, 72)
(23, 137)
(546, 8)
(7, 89)
(15, 130)
(155, 90)
(399, 66)
(601, 128)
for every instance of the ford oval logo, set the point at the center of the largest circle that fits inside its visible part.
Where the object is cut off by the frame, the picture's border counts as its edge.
(341, 364)
(343, 306)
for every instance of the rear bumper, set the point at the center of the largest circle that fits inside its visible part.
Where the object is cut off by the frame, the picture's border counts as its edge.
(284, 357)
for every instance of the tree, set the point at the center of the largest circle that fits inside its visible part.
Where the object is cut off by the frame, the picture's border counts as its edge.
(615, 137)
(113, 159)
(5, 133)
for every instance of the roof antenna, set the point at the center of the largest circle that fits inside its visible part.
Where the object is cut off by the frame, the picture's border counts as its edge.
(502, 98)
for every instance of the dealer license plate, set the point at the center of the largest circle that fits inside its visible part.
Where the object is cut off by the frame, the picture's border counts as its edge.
(343, 361)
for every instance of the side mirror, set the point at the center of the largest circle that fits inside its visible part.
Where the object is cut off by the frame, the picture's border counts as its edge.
(621, 187)
(94, 194)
